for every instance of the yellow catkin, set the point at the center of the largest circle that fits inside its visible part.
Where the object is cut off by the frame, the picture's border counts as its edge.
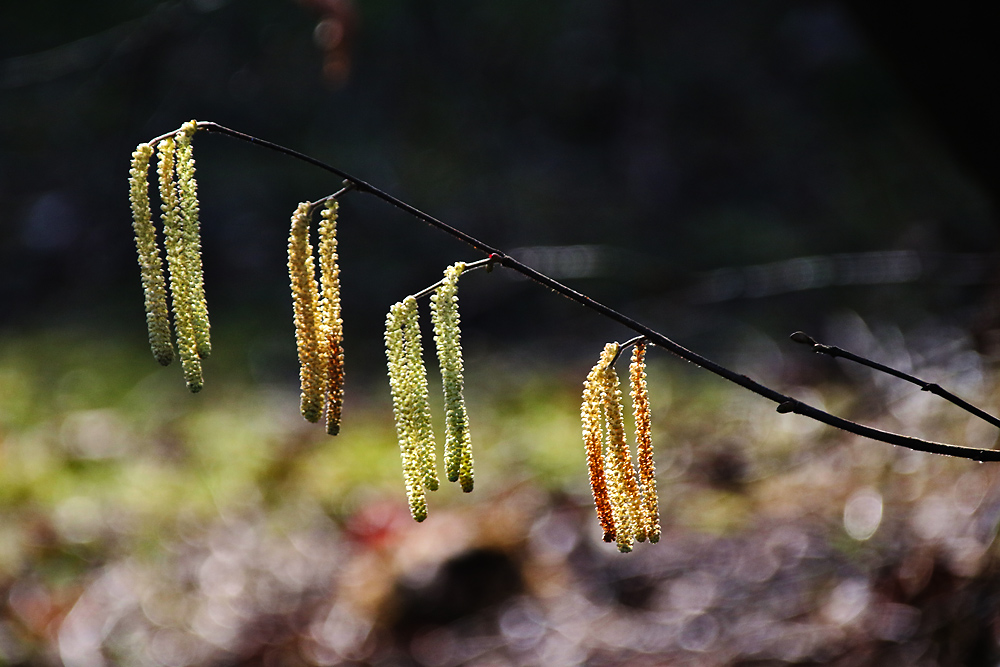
(187, 191)
(333, 326)
(302, 277)
(400, 383)
(180, 284)
(447, 338)
(624, 490)
(644, 443)
(593, 441)
(153, 283)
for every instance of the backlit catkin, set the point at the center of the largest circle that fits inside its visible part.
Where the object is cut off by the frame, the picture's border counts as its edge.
(333, 326)
(187, 188)
(593, 441)
(180, 280)
(622, 486)
(644, 443)
(408, 383)
(447, 338)
(420, 409)
(302, 277)
(153, 283)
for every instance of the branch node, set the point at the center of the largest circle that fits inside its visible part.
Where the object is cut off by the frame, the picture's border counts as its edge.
(786, 407)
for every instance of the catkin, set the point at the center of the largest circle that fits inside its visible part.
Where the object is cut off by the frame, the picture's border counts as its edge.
(420, 409)
(333, 326)
(396, 360)
(447, 338)
(593, 440)
(408, 383)
(180, 281)
(622, 484)
(644, 443)
(153, 283)
(187, 188)
(302, 277)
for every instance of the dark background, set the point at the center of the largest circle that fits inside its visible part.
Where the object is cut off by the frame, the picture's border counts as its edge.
(671, 140)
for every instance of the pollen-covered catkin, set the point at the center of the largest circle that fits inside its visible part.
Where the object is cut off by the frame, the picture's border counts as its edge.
(333, 326)
(419, 401)
(396, 360)
(593, 441)
(153, 283)
(302, 277)
(180, 281)
(644, 443)
(447, 337)
(622, 484)
(187, 188)
(408, 383)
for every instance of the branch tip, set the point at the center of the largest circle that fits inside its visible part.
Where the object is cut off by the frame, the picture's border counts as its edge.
(803, 338)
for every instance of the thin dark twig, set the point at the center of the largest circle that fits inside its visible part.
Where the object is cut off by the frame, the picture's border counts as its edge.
(785, 403)
(622, 347)
(471, 266)
(932, 387)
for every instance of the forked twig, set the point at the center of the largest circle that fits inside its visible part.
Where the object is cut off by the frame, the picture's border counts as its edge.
(932, 387)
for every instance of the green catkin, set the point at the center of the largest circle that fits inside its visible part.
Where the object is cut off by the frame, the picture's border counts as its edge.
(593, 441)
(302, 278)
(153, 283)
(404, 382)
(180, 283)
(447, 337)
(333, 326)
(420, 409)
(396, 361)
(644, 443)
(187, 188)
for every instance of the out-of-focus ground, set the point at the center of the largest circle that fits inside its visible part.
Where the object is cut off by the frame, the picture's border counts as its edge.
(145, 526)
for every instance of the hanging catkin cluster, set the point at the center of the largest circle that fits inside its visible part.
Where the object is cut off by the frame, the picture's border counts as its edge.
(626, 503)
(318, 326)
(408, 382)
(182, 241)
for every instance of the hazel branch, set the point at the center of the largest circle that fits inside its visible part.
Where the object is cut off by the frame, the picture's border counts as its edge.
(785, 403)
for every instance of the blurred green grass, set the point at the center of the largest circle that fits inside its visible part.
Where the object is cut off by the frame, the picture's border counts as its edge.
(110, 471)
(105, 448)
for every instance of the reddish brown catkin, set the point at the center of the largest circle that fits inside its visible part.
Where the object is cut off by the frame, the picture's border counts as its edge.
(624, 489)
(333, 326)
(644, 443)
(593, 441)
